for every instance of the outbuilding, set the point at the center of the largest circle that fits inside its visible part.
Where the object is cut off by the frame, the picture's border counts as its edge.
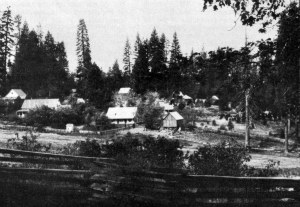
(122, 115)
(15, 93)
(172, 120)
(31, 104)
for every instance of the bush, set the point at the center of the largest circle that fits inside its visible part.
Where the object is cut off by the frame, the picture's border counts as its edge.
(153, 118)
(223, 127)
(214, 123)
(230, 125)
(29, 143)
(190, 127)
(61, 117)
(146, 152)
(226, 158)
(39, 117)
(140, 152)
(103, 123)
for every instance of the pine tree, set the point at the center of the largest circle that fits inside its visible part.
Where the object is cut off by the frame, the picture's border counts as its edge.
(137, 45)
(156, 61)
(115, 77)
(174, 66)
(175, 50)
(17, 35)
(6, 42)
(19, 71)
(127, 63)
(83, 45)
(140, 71)
(84, 57)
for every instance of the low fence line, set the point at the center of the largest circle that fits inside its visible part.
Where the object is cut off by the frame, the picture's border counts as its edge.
(103, 181)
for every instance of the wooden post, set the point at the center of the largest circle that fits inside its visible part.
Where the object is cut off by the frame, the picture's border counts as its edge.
(247, 130)
(286, 143)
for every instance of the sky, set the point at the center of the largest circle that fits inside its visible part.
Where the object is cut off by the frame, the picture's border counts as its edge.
(111, 22)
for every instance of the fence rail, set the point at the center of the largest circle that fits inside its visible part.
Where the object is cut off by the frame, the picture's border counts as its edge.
(45, 179)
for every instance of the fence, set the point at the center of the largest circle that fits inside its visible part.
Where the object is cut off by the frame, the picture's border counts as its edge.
(44, 179)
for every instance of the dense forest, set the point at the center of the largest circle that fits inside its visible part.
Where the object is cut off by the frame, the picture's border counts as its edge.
(267, 69)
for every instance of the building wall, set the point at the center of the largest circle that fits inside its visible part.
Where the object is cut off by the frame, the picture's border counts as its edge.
(169, 121)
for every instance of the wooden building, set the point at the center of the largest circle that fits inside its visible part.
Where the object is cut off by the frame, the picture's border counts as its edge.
(31, 104)
(172, 120)
(122, 115)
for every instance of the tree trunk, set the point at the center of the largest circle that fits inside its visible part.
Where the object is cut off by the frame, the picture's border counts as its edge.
(298, 107)
(247, 130)
(286, 143)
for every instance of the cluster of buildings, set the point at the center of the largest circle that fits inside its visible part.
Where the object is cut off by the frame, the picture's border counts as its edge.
(118, 115)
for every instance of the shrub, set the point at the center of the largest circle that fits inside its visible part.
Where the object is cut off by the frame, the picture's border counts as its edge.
(223, 127)
(61, 117)
(146, 152)
(190, 127)
(153, 117)
(39, 117)
(14, 118)
(214, 123)
(140, 151)
(103, 123)
(28, 142)
(226, 158)
(230, 125)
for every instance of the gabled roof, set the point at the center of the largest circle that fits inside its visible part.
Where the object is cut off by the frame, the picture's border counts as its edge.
(35, 103)
(215, 98)
(186, 97)
(124, 90)
(176, 115)
(19, 93)
(121, 112)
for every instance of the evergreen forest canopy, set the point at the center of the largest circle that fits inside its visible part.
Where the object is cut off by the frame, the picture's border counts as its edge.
(271, 73)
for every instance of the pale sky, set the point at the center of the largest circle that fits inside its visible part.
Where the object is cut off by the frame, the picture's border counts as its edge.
(111, 22)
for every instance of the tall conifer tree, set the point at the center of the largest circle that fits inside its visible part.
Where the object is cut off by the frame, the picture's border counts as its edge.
(6, 43)
(84, 57)
(127, 62)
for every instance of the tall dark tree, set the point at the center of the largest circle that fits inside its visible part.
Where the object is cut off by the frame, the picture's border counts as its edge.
(84, 57)
(137, 44)
(17, 35)
(6, 43)
(288, 63)
(83, 45)
(140, 71)
(41, 66)
(127, 62)
(174, 66)
(98, 91)
(156, 61)
(115, 77)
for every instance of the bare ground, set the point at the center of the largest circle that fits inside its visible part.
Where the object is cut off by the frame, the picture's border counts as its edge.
(270, 150)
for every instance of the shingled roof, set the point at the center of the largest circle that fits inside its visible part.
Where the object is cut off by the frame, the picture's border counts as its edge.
(121, 112)
(14, 93)
(35, 103)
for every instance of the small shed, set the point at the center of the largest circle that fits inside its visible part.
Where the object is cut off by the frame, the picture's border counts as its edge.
(172, 120)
